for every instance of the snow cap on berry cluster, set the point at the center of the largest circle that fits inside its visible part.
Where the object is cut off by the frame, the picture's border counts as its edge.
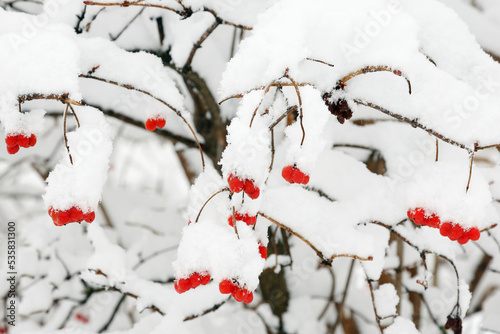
(80, 184)
(103, 59)
(314, 121)
(205, 185)
(215, 248)
(248, 153)
(439, 188)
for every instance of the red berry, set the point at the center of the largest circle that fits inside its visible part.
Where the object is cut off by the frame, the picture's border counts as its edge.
(11, 140)
(89, 217)
(230, 221)
(249, 187)
(474, 234)
(150, 124)
(178, 288)
(250, 220)
(240, 216)
(249, 298)
(51, 211)
(184, 284)
(306, 179)
(255, 194)
(463, 239)
(205, 279)
(241, 295)
(235, 184)
(32, 140)
(445, 229)
(433, 221)
(263, 251)
(63, 217)
(80, 317)
(76, 214)
(13, 149)
(226, 287)
(23, 141)
(287, 173)
(418, 216)
(456, 232)
(160, 122)
(411, 214)
(195, 280)
(298, 176)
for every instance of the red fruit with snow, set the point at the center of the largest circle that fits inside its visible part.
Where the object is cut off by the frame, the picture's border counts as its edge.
(192, 282)
(73, 215)
(236, 184)
(150, 124)
(226, 287)
(14, 142)
(262, 251)
(251, 189)
(294, 175)
(80, 317)
(247, 219)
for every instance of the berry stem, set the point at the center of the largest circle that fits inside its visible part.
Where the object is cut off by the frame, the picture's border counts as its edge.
(64, 132)
(471, 158)
(208, 200)
(300, 108)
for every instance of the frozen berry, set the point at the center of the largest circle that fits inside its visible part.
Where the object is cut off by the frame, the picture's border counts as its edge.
(205, 279)
(474, 234)
(23, 141)
(11, 141)
(89, 217)
(249, 187)
(150, 124)
(13, 149)
(433, 221)
(235, 183)
(178, 288)
(184, 284)
(226, 287)
(249, 298)
(456, 232)
(287, 173)
(250, 220)
(160, 122)
(463, 239)
(195, 280)
(76, 214)
(445, 229)
(240, 295)
(63, 217)
(263, 251)
(32, 140)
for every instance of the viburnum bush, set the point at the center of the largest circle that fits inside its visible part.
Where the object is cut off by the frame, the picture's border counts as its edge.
(264, 166)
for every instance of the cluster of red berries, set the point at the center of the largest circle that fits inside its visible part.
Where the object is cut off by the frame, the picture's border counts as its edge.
(294, 175)
(339, 108)
(263, 251)
(15, 141)
(249, 220)
(453, 231)
(153, 123)
(192, 282)
(237, 185)
(239, 294)
(73, 215)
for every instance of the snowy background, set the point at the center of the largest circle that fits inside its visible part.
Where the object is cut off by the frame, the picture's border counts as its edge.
(257, 86)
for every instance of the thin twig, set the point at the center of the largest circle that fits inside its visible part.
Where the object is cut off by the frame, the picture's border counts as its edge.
(179, 114)
(320, 61)
(64, 133)
(197, 45)
(371, 69)
(114, 38)
(208, 200)
(414, 123)
(471, 158)
(318, 252)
